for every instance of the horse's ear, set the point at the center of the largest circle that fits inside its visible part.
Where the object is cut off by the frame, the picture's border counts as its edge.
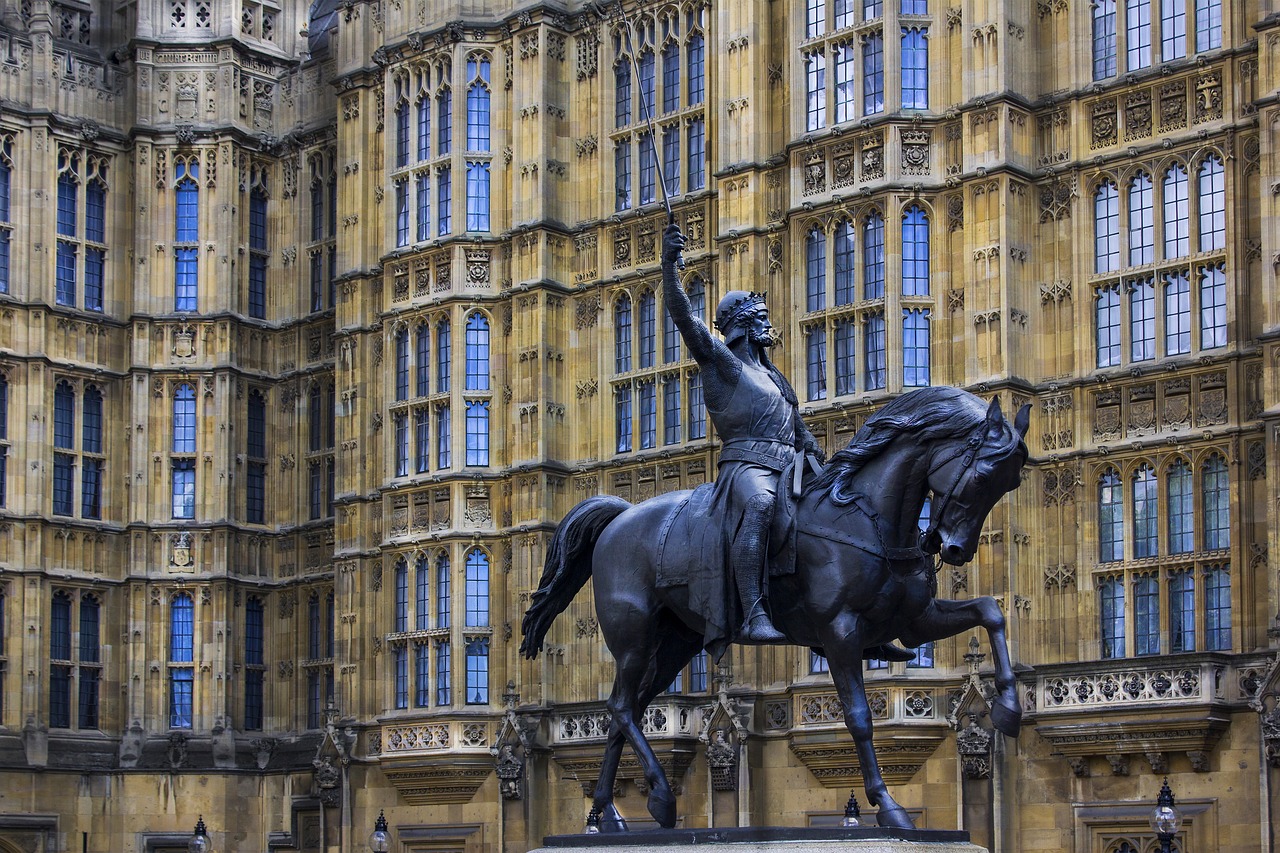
(1022, 420)
(994, 415)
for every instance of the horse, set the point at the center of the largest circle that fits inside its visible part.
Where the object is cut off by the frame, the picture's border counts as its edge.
(864, 575)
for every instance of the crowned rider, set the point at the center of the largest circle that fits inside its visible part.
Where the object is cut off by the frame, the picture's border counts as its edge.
(755, 412)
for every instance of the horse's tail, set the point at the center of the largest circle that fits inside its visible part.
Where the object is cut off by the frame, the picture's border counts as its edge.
(568, 566)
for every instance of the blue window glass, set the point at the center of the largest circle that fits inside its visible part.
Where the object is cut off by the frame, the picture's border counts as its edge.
(477, 592)
(1173, 29)
(874, 344)
(68, 197)
(181, 696)
(1177, 241)
(443, 582)
(915, 252)
(622, 93)
(622, 334)
(424, 206)
(648, 169)
(187, 198)
(184, 419)
(63, 483)
(671, 159)
(815, 76)
(89, 679)
(873, 74)
(671, 77)
(444, 352)
(622, 175)
(444, 676)
(184, 489)
(1177, 313)
(873, 257)
(815, 23)
(1182, 611)
(1142, 233)
(697, 408)
(1216, 500)
(1217, 603)
(477, 196)
(401, 611)
(402, 213)
(59, 696)
(477, 432)
(1142, 319)
(923, 658)
(444, 122)
(64, 416)
(400, 434)
(671, 343)
(1146, 513)
(95, 212)
(60, 627)
(421, 440)
(422, 594)
(815, 253)
(253, 632)
(846, 93)
(622, 418)
(185, 281)
(671, 410)
(402, 364)
(65, 281)
(845, 355)
(400, 660)
(915, 68)
(477, 373)
(424, 127)
(6, 256)
(422, 362)
(647, 393)
(698, 673)
(647, 70)
(697, 76)
(402, 134)
(182, 629)
(1181, 517)
(1110, 518)
(1213, 307)
(317, 210)
(1111, 614)
(696, 141)
(478, 671)
(915, 348)
(815, 347)
(1104, 39)
(1138, 34)
(1208, 25)
(478, 117)
(91, 434)
(421, 675)
(1107, 313)
(844, 253)
(91, 488)
(444, 201)
(257, 286)
(914, 7)
(1146, 615)
(648, 311)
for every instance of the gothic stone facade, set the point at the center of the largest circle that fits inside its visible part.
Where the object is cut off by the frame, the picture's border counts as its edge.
(313, 322)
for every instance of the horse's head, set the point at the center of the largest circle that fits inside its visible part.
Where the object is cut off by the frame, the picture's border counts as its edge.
(967, 476)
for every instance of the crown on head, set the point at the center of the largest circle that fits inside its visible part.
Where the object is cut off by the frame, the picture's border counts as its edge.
(744, 305)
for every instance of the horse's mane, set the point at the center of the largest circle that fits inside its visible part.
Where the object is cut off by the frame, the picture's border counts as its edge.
(933, 413)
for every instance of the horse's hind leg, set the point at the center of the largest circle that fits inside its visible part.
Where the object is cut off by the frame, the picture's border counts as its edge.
(946, 618)
(676, 647)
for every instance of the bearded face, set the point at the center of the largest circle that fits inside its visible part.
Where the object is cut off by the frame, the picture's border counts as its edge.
(759, 330)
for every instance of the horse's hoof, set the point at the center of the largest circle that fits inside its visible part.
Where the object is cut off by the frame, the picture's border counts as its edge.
(611, 820)
(1006, 719)
(895, 817)
(663, 809)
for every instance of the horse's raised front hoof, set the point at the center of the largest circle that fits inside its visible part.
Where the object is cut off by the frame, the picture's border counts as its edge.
(663, 809)
(896, 817)
(611, 820)
(1006, 719)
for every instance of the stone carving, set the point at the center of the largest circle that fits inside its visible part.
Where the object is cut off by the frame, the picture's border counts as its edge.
(510, 771)
(915, 151)
(1104, 123)
(1137, 114)
(722, 761)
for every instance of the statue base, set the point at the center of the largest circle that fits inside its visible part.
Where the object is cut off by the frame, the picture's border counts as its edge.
(771, 839)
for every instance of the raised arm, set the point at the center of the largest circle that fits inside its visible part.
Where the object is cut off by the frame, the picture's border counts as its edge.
(708, 350)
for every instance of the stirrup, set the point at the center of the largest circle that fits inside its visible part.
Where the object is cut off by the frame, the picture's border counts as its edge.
(759, 627)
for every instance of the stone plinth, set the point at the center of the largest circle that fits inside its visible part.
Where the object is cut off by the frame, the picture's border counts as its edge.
(866, 839)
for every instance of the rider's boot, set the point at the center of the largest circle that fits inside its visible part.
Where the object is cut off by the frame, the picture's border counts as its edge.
(757, 627)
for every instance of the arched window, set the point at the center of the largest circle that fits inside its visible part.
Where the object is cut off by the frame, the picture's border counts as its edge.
(401, 611)
(184, 419)
(622, 334)
(1146, 512)
(1110, 517)
(91, 434)
(68, 203)
(478, 103)
(815, 253)
(1141, 221)
(915, 252)
(181, 651)
(1216, 500)
(845, 252)
(424, 126)
(444, 122)
(1181, 517)
(915, 347)
(258, 252)
(477, 367)
(1107, 312)
(873, 257)
(1213, 209)
(1176, 217)
(477, 615)
(95, 218)
(186, 235)
(915, 68)
(443, 355)
(1106, 228)
(696, 49)
(443, 582)
(64, 416)
(648, 329)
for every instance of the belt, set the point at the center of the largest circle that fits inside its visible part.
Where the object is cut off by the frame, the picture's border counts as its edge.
(766, 452)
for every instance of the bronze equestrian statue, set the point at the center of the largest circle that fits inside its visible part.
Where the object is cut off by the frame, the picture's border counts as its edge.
(858, 572)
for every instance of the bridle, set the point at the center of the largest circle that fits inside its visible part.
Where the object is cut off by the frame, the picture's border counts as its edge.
(969, 450)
